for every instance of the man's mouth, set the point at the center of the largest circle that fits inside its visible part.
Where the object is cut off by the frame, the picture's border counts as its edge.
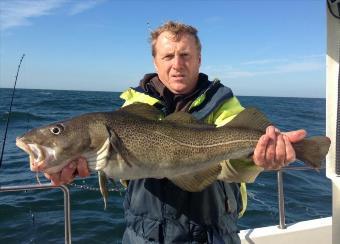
(178, 76)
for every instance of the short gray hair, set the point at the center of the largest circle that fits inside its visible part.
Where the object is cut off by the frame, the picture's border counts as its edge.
(177, 29)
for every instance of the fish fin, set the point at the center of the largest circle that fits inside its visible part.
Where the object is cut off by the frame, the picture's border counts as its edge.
(37, 177)
(103, 187)
(125, 183)
(312, 151)
(118, 146)
(182, 117)
(239, 170)
(250, 118)
(197, 181)
(142, 110)
(186, 119)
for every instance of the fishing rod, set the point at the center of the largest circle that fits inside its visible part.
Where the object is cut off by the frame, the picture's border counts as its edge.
(10, 110)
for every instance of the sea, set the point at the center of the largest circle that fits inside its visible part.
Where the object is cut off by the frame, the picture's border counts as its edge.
(38, 217)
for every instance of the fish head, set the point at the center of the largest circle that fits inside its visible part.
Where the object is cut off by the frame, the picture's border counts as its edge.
(52, 147)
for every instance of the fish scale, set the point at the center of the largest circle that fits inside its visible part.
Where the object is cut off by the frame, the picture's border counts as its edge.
(133, 143)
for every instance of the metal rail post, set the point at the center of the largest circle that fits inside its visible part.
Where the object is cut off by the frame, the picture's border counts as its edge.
(281, 199)
(67, 205)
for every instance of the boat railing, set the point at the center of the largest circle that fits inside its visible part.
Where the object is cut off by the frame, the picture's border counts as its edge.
(281, 200)
(280, 192)
(67, 205)
(67, 208)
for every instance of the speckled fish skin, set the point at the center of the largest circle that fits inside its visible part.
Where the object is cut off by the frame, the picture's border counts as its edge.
(133, 143)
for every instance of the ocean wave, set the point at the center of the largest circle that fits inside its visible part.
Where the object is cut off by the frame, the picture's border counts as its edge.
(34, 108)
(78, 104)
(45, 93)
(18, 116)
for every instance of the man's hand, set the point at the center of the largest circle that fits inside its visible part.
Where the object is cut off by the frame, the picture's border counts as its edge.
(274, 149)
(69, 172)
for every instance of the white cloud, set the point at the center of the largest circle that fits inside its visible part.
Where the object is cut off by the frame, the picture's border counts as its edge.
(268, 61)
(264, 61)
(18, 12)
(298, 67)
(266, 67)
(313, 56)
(82, 6)
(213, 19)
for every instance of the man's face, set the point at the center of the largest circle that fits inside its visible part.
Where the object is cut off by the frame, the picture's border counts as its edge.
(177, 62)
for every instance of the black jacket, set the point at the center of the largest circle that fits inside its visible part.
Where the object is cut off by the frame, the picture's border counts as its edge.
(157, 211)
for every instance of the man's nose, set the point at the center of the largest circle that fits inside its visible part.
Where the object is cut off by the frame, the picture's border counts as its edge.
(177, 62)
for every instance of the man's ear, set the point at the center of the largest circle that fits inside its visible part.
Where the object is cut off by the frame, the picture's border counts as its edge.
(200, 60)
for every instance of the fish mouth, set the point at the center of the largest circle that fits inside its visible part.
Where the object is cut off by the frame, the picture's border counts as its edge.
(37, 156)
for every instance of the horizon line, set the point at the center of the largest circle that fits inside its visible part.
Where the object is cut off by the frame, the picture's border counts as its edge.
(240, 95)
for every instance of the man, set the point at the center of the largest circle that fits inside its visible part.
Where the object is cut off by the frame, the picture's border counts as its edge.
(156, 210)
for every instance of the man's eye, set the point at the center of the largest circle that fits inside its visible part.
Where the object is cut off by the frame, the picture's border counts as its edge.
(168, 57)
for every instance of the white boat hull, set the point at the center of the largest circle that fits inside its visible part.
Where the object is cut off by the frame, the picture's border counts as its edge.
(310, 232)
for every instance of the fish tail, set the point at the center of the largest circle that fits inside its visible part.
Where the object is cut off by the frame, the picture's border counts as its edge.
(312, 151)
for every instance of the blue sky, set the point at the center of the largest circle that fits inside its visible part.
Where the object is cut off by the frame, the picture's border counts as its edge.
(261, 48)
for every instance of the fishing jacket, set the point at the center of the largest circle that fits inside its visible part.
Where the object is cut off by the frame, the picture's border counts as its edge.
(156, 210)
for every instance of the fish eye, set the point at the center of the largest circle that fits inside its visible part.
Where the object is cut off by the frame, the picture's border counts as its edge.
(57, 129)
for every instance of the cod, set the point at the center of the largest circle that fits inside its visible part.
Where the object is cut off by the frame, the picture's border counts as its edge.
(136, 142)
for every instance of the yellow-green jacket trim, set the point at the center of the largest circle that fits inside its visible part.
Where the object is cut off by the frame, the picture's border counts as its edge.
(220, 116)
(131, 96)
